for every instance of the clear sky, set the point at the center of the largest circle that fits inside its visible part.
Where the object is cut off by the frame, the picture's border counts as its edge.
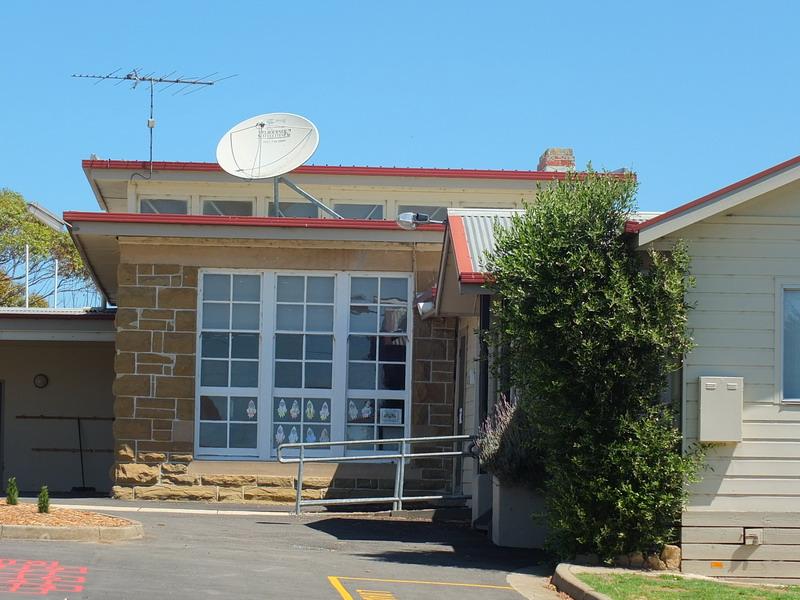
(690, 95)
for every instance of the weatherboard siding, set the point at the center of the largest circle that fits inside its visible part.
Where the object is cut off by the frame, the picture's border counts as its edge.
(738, 260)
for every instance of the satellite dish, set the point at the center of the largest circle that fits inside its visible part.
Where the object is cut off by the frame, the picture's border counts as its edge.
(267, 145)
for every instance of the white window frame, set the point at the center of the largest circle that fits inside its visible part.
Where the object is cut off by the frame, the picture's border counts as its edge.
(782, 285)
(146, 197)
(222, 199)
(266, 391)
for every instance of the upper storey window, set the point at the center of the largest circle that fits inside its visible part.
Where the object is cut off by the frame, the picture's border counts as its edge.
(359, 211)
(227, 208)
(164, 206)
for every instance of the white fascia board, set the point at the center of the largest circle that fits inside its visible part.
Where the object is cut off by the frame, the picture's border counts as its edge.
(90, 175)
(717, 205)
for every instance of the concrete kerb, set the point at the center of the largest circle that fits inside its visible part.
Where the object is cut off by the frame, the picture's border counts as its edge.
(566, 581)
(134, 531)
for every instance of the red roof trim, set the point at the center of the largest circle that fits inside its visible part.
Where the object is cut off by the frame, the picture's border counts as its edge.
(337, 170)
(714, 195)
(458, 237)
(100, 217)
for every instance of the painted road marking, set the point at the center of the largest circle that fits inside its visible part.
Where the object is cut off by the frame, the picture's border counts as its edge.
(375, 595)
(40, 577)
(336, 582)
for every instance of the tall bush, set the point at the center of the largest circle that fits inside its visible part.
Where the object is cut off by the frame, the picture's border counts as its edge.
(12, 491)
(588, 329)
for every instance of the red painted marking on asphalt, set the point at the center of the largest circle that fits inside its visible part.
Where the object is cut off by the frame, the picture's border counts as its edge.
(39, 577)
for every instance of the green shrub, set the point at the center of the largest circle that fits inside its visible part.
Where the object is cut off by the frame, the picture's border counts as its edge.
(12, 491)
(587, 329)
(44, 500)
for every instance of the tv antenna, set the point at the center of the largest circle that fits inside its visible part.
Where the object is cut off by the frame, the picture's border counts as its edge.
(187, 85)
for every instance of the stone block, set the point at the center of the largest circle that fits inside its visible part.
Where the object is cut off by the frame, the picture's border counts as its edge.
(279, 495)
(230, 494)
(162, 435)
(654, 563)
(177, 298)
(152, 325)
(173, 468)
(132, 429)
(316, 483)
(422, 370)
(179, 343)
(134, 341)
(155, 280)
(132, 385)
(181, 457)
(136, 297)
(671, 557)
(179, 479)
(124, 452)
(123, 407)
(163, 403)
(154, 358)
(124, 363)
(158, 313)
(229, 480)
(184, 409)
(151, 457)
(174, 387)
(126, 318)
(183, 431)
(126, 274)
(185, 320)
(279, 481)
(144, 269)
(190, 277)
(155, 413)
(166, 269)
(162, 424)
(135, 474)
(175, 492)
(184, 365)
(122, 493)
(150, 369)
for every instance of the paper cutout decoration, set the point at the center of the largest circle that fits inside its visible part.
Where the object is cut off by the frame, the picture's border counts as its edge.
(324, 436)
(352, 411)
(282, 408)
(279, 435)
(294, 412)
(324, 412)
(293, 435)
(366, 411)
(310, 410)
(251, 409)
(310, 437)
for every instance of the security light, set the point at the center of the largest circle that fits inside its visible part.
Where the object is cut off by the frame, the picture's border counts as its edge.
(410, 220)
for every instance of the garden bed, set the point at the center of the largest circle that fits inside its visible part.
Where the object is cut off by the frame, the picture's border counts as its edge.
(27, 514)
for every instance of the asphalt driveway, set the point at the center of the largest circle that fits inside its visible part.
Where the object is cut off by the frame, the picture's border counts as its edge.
(267, 556)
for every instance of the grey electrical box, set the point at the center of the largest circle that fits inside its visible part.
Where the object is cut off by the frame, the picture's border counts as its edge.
(721, 401)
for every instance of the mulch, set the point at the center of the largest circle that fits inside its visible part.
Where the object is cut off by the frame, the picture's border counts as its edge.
(27, 514)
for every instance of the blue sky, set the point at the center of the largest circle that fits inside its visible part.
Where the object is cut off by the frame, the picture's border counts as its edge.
(690, 95)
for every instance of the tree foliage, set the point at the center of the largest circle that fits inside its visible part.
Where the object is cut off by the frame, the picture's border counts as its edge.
(587, 330)
(18, 228)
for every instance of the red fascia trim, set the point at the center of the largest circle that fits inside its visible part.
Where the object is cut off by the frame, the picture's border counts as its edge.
(714, 195)
(340, 170)
(72, 216)
(458, 236)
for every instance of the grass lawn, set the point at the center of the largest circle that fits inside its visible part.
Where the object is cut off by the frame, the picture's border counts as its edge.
(667, 587)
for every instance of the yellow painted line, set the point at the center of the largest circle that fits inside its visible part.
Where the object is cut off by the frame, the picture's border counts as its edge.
(376, 595)
(337, 585)
(415, 582)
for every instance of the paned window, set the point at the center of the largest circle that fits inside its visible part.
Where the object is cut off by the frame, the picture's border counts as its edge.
(228, 208)
(791, 345)
(359, 211)
(229, 360)
(304, 210)
(164, 206)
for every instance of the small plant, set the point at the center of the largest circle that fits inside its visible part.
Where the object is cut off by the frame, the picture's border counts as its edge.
(12, 491)
(44, 500)
(505, 445)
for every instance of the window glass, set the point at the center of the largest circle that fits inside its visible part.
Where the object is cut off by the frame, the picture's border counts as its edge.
(305, 210)
(228, 208)
(791, 344)
(164, 206)
(359, 211)
(435, 213)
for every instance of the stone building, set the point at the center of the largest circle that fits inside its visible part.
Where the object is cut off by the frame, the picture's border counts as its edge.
(240, 324)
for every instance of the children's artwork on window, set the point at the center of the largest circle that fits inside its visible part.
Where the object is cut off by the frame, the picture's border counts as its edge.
(324, 412)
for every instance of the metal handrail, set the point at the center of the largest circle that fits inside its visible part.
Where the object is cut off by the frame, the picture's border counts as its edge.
(401, 457)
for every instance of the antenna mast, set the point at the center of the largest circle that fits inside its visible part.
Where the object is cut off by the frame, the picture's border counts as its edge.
(188, 85)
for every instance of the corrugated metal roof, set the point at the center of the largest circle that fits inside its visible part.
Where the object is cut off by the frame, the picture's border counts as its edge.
(479, 224)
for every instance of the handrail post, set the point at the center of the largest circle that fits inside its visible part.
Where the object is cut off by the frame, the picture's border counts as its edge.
(398, 486)
(299, 482)
(401, 468)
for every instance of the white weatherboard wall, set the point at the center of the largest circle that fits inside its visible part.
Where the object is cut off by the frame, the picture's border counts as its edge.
(739, 260)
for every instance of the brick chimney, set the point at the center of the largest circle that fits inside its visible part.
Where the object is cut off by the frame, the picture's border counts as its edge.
(558, 160)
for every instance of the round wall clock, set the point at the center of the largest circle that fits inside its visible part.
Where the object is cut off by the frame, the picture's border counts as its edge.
(40, 380)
